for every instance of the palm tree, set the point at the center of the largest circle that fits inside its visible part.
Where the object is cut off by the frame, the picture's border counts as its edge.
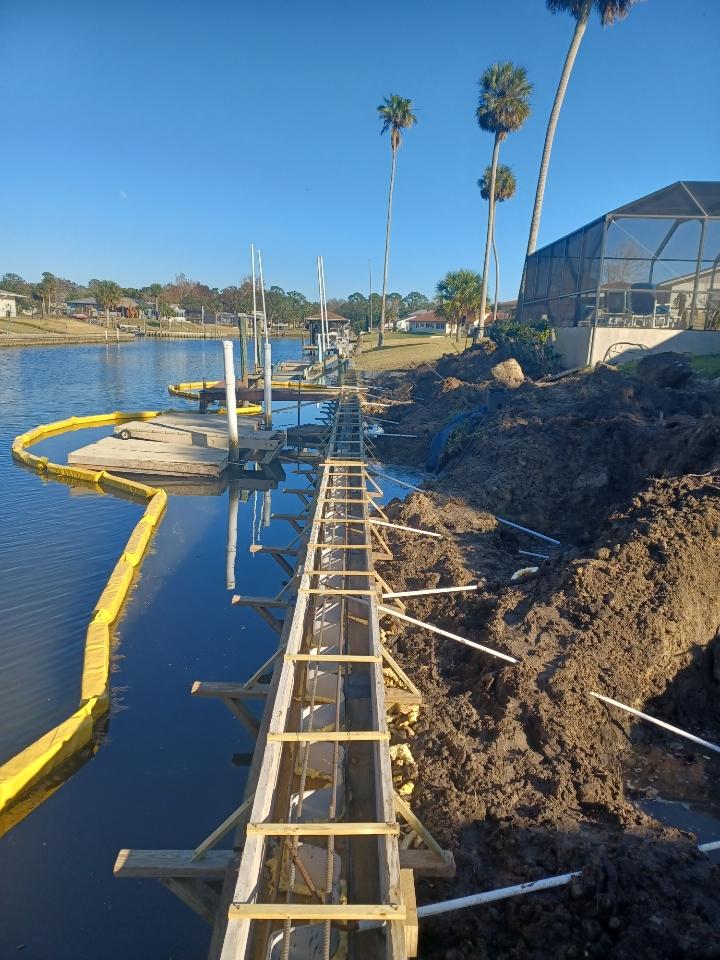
(505, 186)
(458, 297)
(609, 11)
(396, 115)
(503, 107)
(107, 293)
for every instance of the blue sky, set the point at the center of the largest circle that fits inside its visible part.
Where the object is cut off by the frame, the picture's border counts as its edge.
(147, 138)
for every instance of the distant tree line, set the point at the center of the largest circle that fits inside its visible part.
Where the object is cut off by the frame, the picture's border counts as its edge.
(291, 307)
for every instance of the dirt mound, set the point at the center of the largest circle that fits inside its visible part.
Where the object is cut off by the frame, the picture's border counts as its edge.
(519, 768)
(558, 457)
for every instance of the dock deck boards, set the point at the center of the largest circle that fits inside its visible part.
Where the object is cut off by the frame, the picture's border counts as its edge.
(178, 445)
(147, 456)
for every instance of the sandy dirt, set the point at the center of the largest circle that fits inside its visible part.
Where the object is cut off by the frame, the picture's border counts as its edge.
(520, 771)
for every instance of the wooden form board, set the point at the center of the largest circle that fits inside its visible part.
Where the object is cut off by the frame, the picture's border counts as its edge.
(147, 457)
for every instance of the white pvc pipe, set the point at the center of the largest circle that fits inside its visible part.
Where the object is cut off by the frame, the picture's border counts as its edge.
(533, 533)
(402, 483)
(444, 633)
(658, 723)
(230, 401)
(256, 345)
(399, 526)
(424, 593)
(445, 906)
(267, 508)
(267, 384)
(233, 504)
(707, 847)
(529, 553)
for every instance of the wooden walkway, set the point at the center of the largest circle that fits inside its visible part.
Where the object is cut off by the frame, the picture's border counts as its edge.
(316, 868)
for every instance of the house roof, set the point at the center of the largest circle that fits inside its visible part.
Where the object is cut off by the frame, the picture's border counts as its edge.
(426, 316)
(9, 293)
(83, 302)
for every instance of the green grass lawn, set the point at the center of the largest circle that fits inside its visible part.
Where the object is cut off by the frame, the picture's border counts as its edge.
(706, 367)
(403, 350)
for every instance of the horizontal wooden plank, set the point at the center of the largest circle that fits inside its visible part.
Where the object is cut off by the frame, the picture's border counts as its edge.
(398, 697)
(341, 828)
(426, 863)
(161, 864)
(333, 657)
(259, 602)
(210, 688)
(327, 736)
(308, 912)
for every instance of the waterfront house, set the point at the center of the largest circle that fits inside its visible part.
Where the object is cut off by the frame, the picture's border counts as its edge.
(8, 303)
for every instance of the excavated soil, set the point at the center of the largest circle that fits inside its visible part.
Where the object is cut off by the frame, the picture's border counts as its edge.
(519, 770)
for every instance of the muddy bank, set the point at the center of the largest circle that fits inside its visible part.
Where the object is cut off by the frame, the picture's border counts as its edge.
(520, 771)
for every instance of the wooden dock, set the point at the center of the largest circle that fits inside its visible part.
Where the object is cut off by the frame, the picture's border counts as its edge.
(178, 445)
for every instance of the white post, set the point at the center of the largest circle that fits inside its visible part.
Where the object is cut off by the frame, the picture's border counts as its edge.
(321, 338)
(267, 378)
(256, 345)
(267, 508)
(324, 299)
(233, 504)
(267, 366)
(230, 401)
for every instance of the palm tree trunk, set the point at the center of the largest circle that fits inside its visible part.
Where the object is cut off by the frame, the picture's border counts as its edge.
(577, 36)
(490, 231)
(107, 315)
(381, 330)
(497, 278)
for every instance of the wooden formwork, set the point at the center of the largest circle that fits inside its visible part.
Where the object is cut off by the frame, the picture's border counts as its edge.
(330, 627)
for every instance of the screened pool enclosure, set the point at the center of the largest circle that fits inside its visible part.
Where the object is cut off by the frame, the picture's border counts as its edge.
(653, 264)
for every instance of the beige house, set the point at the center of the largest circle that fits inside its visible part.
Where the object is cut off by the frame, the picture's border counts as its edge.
(8, 303)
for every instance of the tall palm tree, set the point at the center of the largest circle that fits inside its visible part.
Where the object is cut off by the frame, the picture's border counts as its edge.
(505, 186)
(458, 297)
(396, 115)
(503, 107)
(609, 11)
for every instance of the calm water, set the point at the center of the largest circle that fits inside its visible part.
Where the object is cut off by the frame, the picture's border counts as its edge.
(163, 776)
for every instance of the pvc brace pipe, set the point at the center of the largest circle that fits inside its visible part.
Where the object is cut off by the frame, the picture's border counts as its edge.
(529, 553)
(533, 533)
(402, 483)
(659, 723)
(461, 903)
(423, 593)
(399, 526)
(444, 633)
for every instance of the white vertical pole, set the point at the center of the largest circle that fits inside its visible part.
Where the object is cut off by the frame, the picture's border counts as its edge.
(233, 503)
(267, 508)
(321, 344)
(324, 298)
(256, 346)
(267, 368)
(230, 401)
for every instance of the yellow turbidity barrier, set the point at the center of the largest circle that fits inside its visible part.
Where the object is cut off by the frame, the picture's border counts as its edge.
(63, 741)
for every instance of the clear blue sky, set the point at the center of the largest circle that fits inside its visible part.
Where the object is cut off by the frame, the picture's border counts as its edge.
(141, 139)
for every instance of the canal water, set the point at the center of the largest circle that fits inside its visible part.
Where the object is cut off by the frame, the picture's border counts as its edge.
(168, 769)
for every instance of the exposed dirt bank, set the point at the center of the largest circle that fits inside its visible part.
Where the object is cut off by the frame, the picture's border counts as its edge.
(519, 769)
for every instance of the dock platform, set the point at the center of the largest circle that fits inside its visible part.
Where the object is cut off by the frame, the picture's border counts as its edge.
(186, 445)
